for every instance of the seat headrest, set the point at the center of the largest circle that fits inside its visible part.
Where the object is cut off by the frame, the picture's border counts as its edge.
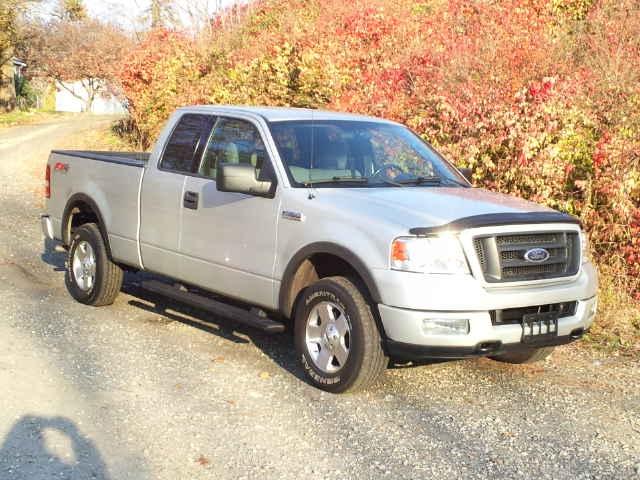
(231, 153)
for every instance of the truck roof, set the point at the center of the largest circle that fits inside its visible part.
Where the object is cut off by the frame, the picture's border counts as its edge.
(281, 114)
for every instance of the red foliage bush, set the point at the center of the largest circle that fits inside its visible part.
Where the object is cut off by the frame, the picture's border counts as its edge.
(158, 76)
(542, 99)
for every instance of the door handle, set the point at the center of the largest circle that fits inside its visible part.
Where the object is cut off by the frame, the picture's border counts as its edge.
(190, 200)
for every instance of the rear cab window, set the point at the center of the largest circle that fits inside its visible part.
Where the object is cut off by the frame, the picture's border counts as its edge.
(186, 143)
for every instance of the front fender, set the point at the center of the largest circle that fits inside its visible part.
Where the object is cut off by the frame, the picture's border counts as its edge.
(330, 248)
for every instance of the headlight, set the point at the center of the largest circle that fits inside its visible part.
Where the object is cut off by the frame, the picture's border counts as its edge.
(437, 254)
(585, 253)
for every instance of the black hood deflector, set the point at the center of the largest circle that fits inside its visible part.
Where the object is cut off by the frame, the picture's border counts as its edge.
(496, 219)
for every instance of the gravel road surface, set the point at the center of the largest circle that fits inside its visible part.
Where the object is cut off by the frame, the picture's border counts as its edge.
(150, 389)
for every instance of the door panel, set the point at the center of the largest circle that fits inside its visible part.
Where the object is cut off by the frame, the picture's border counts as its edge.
(229, 242)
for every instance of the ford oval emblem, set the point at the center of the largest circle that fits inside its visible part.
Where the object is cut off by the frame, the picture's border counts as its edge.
(536, 255)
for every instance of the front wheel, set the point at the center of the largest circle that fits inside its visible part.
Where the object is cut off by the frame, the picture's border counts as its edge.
(336, 336)
(91, 277)
(526, 355)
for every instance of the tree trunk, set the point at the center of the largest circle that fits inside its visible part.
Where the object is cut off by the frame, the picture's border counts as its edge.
(156, 14)
(90, 87)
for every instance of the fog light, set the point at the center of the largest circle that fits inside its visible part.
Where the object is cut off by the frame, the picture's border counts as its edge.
(445, 326)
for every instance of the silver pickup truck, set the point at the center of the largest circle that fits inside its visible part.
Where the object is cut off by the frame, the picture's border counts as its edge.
(350, 229)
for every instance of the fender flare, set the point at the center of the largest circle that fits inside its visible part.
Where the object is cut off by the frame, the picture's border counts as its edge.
(332, 249)
(73, 201)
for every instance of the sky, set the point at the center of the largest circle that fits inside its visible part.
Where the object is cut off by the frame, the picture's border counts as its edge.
(133, 14)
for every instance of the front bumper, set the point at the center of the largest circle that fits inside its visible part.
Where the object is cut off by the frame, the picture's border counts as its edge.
(409, 351)
(407, 339)
(420, 291)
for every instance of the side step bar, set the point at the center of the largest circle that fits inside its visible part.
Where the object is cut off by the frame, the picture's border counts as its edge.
(238, 314)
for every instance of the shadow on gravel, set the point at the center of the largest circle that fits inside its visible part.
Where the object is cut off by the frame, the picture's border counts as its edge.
(403, 364)
(280, 347)
(53, 257)
(42, 448)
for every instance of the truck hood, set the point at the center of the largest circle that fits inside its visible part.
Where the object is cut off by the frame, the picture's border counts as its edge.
(424, 206)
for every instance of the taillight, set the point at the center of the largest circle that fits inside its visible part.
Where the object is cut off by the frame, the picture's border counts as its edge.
(47, 182)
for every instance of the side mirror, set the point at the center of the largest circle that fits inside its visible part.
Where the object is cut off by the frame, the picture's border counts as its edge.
(241, 178)
(467, 173)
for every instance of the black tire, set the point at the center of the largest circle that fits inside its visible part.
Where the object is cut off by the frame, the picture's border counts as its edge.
(366, 360)
(108, 275)
(526, 355)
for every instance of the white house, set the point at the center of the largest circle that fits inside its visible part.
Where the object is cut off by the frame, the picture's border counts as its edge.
(72, 97)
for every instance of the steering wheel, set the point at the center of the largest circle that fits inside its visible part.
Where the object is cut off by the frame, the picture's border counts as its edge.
(385, 166)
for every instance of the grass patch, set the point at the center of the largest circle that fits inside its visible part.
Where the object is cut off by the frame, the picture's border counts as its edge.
(617, 325)
(26, 117)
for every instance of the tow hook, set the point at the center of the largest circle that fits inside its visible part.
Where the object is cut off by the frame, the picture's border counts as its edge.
(577, 333)
(488, 347)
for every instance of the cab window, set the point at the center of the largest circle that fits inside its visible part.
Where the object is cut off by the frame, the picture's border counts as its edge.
(186, 142)
(232, 140)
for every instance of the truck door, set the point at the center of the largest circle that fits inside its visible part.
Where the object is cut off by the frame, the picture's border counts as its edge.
(228, 240)
(162, 193)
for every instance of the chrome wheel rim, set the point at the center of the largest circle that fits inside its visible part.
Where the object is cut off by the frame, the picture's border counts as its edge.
(328, 337)
(84, 266)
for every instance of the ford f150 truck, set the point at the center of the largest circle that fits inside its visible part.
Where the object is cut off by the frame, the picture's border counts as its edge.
(351, 229)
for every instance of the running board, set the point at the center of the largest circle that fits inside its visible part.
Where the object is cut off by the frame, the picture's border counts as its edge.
(240, 315)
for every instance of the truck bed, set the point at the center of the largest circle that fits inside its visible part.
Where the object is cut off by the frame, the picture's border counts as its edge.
(134, 159)
(110, 181)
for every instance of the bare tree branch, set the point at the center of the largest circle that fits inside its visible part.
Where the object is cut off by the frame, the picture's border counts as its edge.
(86, 51)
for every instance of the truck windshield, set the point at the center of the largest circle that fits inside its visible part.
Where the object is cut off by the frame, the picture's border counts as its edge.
(348, 154)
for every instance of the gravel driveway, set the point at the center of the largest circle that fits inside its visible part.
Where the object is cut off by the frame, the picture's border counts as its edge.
(148, 389)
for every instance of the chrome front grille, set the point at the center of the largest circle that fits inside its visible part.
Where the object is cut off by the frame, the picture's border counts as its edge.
(502, 257)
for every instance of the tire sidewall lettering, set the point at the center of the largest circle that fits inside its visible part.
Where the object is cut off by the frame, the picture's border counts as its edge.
(309, 301)
(315, 376)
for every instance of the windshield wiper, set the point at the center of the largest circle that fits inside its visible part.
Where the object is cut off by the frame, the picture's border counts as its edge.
(358, 180)
(388, 181)
(420, 180)
(311, 183)
(451, 181)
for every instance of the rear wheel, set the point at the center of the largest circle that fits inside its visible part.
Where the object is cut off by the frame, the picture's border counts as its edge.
(337, 338)
(526, 355)
(91, 277)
